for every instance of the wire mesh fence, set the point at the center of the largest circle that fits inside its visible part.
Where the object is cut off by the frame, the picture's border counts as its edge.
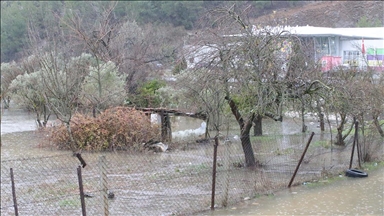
(176, 182)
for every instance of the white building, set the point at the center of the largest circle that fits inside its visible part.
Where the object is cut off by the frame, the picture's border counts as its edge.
(350, 47)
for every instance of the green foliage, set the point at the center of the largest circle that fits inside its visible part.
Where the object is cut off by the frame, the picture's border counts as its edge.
(62, 79)
(147, 94)
(9, 71)
(15, 18)
(364, 22)
(13, 29)
(170, 96)
(27, 90)
(117, 128)
(103, 86)
(179, 13)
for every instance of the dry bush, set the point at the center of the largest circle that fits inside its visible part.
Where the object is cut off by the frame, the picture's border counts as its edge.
(118, 128)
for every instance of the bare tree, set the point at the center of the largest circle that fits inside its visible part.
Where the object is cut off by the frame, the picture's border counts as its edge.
(143, 48)
(257, 75)
(61, 74)
(346, 100)
(95, 39)
(246, 63)
(137, 51)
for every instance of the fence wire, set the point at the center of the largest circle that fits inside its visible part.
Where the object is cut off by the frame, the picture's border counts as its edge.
(176, 182)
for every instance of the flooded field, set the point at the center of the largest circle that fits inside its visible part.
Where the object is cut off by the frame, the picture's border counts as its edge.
(177, 182)
(17, 120)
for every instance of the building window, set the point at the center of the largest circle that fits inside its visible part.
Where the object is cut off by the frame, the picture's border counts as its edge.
(322, 45)
(351, 57)
(325, 46)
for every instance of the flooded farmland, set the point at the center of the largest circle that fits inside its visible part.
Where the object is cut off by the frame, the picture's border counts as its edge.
(177, 182)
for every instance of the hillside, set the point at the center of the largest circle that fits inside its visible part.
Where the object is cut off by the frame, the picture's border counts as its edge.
(337, 14)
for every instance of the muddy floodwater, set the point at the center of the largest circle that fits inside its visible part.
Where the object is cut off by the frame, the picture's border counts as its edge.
(178, 182)
(16, 120)
(344, 196)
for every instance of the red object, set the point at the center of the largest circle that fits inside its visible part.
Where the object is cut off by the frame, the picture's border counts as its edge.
(362, 47)
(330, 62)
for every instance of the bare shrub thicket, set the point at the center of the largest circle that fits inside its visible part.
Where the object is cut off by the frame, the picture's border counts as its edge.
(116, 128)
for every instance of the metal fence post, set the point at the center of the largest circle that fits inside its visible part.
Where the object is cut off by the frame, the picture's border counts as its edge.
(14, 193)
(226, 167)
(104, 184)
(301, 159)
(214, 173)
(356, 138)
(83, 210)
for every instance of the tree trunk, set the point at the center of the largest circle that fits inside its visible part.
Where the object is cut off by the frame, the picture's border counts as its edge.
(258, 126)
(38, 118)
(245, 128)
(247, 145)
(41, 113)
(46, 116)
(321, 116)
(322, 123)
(304, 127)
(6, 102)
(339, 136)
(94, 111)
(377, 124)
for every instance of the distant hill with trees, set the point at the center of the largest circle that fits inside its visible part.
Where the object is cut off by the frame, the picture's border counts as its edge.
(16, 16)
(336, 14)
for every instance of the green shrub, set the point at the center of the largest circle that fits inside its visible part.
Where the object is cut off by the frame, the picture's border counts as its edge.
(147, 94)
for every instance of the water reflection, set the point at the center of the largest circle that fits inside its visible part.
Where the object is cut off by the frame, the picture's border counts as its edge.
(349, 196)
(16, 120)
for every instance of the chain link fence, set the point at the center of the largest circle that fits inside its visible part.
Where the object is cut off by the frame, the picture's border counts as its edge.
(176, 182)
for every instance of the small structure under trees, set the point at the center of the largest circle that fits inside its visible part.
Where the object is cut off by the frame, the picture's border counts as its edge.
(166, 130)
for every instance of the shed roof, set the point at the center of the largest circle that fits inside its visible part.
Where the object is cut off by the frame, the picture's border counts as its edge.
(310, 31)
(366, 33)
